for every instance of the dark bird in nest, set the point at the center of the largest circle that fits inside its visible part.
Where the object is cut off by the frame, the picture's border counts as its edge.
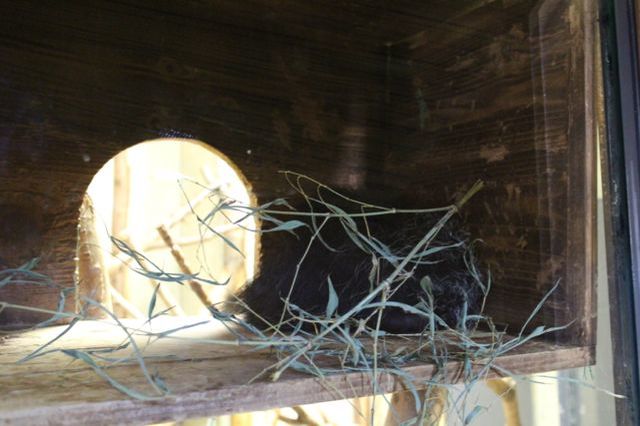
(302, 268)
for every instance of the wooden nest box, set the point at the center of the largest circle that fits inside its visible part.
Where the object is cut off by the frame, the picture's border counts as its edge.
(406, 98)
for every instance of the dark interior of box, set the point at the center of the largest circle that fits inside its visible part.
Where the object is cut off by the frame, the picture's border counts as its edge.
(401, 99)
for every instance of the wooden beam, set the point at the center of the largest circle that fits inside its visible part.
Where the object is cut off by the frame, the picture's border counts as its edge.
(204, 379)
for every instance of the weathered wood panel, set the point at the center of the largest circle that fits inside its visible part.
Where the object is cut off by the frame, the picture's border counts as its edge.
(512, 106)
(205, 380)
(269, 87)
(376, 97)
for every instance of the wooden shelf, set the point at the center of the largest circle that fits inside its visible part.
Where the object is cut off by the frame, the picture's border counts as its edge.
(205, 380)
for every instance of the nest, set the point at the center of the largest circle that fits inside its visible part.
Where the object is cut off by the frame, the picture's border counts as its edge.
(360, 274)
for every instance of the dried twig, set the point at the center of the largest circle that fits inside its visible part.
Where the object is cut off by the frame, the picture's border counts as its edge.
(505, 388)
(177, 255)
(301, 419)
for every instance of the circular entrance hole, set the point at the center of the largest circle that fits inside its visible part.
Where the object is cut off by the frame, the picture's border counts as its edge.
(157, 198)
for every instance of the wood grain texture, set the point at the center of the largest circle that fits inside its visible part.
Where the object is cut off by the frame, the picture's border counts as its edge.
(513, 107)
(205, 380)
(84, 81)
(91, 279)
(420, 98)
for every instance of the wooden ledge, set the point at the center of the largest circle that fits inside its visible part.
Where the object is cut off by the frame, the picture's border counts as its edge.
(205, 380)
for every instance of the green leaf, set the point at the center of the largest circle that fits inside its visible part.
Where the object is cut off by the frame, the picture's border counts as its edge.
(87, 359)
(332, 303)
(40, 349)
(472, 415)
(287, 226)
(426, 284)
(152, 302)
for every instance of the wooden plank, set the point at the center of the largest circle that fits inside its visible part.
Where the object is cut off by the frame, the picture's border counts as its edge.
(304, 87)
(204, 379)
(579, 290)
(85, 81)
(513, 108)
